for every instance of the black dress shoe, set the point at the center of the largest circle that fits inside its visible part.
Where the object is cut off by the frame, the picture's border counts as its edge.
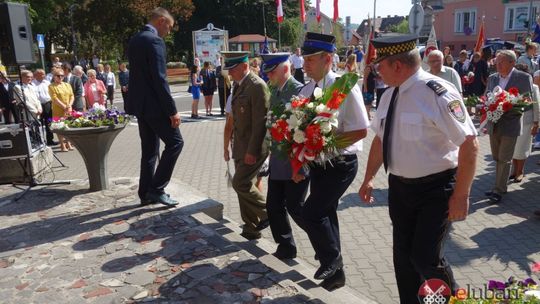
(145, 202)
(495, 198)
(334, 282)
(511, 177)
(490, 193)
(251, 235)
(537, 213)
(161, 198)
(52, 143)
(325, 272)
(262, 225)
(285, 252)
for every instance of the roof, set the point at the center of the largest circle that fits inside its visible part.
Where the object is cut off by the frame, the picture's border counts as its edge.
(381, 24)
(250, 38)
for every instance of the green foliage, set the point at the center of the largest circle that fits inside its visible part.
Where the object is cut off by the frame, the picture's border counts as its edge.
(402, 27)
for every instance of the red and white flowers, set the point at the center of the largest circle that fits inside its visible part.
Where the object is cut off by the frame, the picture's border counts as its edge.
(303, 130)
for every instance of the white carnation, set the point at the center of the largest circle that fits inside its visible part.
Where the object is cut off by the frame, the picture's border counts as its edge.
(299, 136)
(310, 105)
(326, 127)
(288, 106)
(317, 93)
(320, 108)
(293, 122)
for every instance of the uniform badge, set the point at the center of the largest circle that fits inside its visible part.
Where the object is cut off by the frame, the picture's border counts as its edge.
(436, 87)
(456, 109)
(242, 110)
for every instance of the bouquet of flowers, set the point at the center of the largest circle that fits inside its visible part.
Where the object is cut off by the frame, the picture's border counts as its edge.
(499, 102)
(97, 116)
(467, 79)
(472, 101)
(303, 130)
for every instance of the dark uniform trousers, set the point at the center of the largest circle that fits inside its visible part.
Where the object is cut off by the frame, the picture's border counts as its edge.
(328, 183)
(283, 196)
(299, 75)
(251, 200)
(151, 130)
(223, 95)
(45, 119)
(419, 214)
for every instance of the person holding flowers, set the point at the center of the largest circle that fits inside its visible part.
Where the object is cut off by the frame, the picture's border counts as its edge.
(286, 193)
(331, 178)
(426, 141)
(504, 131)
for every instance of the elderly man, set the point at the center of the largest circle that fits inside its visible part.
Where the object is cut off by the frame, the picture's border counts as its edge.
(429, 139)
(76, 86)
(436, 67)
(7, 102)
(250, 101)
(42, 90)
(330, 180)
(285, 191)
(503, 134)
(33, 107)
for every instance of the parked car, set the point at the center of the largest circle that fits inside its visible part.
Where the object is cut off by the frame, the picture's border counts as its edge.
(495, 44)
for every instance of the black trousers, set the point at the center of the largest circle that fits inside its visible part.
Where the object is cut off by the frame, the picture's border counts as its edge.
(283, 196)
(151, 131)
(223, 95)
(319, 213)
(299, 75)
(110, 93)
(12, 109)
(124, 96)
(45, 118)
(419, 214)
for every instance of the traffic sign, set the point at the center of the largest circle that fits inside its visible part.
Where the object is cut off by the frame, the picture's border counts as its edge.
(416, 19)
(41, 41)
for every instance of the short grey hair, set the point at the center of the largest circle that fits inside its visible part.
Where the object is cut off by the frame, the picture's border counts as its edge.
(411, 58)
(511, 55)
(91, 72)
(160, 12)
(78, 69)
(436, 53)
(26, 73)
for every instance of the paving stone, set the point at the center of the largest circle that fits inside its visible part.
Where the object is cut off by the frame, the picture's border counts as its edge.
(140, 278)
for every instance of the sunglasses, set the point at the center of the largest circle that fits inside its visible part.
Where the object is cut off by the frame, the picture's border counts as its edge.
(59, 75)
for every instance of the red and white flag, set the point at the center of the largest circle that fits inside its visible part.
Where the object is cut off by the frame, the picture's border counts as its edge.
(279, 11)
(302, 12)
(318, 8)
(336, 10)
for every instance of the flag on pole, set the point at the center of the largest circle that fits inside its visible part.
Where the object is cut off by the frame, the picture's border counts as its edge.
(302, 12)
(371, 50)
(336, 11)
(279, 14)
(431, 43)
(481, 38)
(318, 15)
(266, 49)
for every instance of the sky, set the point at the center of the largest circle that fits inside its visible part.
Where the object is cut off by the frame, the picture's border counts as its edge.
(359, 9)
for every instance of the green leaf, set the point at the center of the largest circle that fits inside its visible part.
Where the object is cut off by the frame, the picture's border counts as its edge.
(344, 84)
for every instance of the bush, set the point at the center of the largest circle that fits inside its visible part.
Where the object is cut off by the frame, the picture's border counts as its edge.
(176, 65)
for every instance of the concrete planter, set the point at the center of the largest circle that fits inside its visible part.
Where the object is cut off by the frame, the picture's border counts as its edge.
(93, 144)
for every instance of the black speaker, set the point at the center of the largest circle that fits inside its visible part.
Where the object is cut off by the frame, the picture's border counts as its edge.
(15, 34)
(16, 141)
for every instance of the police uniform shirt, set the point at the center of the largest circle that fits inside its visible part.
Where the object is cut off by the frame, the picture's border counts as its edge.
(427, 128)
(352, 112)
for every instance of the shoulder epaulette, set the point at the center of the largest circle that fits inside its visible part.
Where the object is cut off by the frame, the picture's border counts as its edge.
(436, 87)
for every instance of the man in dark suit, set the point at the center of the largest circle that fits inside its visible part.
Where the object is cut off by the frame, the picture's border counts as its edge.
(76, 86)
(7, 105)
(504, 133)
(151, 101)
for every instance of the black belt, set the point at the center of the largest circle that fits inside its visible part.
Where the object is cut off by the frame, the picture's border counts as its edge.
(428, 178)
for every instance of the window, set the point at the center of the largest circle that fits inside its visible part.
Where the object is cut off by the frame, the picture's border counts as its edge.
(465, 21)
(517, 17)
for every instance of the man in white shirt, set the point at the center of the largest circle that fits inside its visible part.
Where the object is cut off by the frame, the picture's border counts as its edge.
(27, 96)
(330, 180)
(42, 90)
(436, 67)
(110, 83)
(297, 62)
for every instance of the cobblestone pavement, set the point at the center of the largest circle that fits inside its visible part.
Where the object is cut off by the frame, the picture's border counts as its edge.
(493, 243)
(63, 244)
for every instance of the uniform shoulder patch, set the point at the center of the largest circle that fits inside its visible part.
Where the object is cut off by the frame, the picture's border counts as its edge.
(436, 87)
(457, 110)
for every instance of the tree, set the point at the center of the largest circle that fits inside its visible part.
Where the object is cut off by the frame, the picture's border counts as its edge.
(402, 27)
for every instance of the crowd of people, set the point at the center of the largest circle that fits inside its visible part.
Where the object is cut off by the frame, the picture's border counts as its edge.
(57, 93)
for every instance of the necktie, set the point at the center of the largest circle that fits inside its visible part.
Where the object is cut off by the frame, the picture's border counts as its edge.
(387, 126)
(312, 97)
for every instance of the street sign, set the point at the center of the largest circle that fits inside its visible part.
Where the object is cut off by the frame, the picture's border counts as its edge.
(41, 41)
(416, 19)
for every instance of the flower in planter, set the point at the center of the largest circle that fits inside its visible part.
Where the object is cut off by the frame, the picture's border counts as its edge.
(97, 116)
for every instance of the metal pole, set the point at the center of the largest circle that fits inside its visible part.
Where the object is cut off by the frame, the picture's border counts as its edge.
(374, 14)
(264, 18)
(279, 35)
(73, 37)
(42, 59)
(531, 18)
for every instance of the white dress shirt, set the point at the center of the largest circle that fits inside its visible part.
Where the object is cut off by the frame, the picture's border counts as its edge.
(42, 90)
(110, 79)
(427, 129)
(352, 112)
(297, 61)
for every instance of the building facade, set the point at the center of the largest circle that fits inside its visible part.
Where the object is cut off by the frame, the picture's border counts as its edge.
(457, 25)
(253, 43)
